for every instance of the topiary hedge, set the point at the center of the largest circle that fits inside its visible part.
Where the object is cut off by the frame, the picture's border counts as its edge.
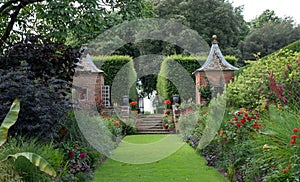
(178, 69)
(119, 74)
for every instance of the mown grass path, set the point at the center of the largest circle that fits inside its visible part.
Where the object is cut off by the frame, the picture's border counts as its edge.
(183, 165)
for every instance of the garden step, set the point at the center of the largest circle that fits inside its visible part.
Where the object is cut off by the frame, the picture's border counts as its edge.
(150, 125)
(150, 132)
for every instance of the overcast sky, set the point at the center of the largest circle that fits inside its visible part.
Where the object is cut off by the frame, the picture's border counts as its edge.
(282, 8)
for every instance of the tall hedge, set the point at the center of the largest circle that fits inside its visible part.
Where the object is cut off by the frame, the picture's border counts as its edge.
(119, 74)
(175, 76)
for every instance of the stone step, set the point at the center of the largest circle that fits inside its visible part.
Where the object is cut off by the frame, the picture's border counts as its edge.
(149, 127)
(150, 132)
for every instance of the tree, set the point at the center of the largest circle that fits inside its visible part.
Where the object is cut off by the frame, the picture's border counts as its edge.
(208, 17)
(268, 16)
(74, 20)
(268, 34)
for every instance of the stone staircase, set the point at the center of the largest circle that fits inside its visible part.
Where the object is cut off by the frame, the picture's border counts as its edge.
(150, 124)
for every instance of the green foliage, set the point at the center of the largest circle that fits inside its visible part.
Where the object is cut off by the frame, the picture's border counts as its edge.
(9, 120)
(272, 150)
(73, 21)
(231, 59)
(268, 35)
(35, 160)
(25, 168)
(206, 92)
(249, 86)
(268, 16)
(208, 17)
(177, 70)
(119, 74)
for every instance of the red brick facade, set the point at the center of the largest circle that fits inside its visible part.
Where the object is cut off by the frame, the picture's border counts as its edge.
(216, 78)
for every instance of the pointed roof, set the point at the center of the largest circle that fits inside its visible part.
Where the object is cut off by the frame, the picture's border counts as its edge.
(86, 63)
(215, 60)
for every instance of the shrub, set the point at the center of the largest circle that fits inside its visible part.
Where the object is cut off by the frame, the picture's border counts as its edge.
(26, 170)
(39, 73)
(248, 86)
(231, 59)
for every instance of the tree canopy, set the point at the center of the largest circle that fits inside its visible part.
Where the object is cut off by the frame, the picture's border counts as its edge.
(208, 17)
(268, 34)
(74, 21)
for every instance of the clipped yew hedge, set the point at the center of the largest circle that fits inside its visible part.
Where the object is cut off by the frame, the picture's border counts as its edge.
(178, 69)
(120, 68)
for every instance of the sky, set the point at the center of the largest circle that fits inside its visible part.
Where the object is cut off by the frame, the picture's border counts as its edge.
(282, 8)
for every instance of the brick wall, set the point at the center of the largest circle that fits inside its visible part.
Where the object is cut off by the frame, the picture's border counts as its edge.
(216, 78)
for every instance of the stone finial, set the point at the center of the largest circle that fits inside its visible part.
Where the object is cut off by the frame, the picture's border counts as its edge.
(214, 37)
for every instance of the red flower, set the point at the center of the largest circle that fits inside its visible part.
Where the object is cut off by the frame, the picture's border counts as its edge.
(231, 123)
(295, 130)
(292, 142)
(248, 118)
(226, 139)
(257, 116)
(284, 170)
(235, 119)
(82, 155)
(71, 154)
(168, 102)
(243, 120)
(256, 125)
(289, 166)
(294, 136)
(238, 125)
(133, 103)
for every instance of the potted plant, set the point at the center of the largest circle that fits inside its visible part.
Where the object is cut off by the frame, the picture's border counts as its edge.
(171, 127)
(165, 121)
(134, 107)
(167, 107)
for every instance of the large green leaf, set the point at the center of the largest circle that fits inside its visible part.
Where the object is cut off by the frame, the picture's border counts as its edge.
(9, 120)
(36, 160)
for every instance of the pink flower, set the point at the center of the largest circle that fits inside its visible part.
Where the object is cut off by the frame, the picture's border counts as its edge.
(71, 154)
(82, 155)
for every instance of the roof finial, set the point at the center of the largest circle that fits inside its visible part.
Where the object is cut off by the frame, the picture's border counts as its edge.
(214, 37)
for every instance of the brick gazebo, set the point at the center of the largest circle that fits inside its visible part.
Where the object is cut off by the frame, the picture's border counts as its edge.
(88, 81)
(216, 70)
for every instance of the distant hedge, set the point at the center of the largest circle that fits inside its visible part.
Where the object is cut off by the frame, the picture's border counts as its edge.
(119, 73)
(231, 60)
(177, 70)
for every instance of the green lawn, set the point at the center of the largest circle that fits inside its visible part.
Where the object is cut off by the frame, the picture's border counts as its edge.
(183, 165)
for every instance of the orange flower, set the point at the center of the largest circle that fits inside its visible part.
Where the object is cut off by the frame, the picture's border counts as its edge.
(284, 170)
(222, 132)
(168, 102)
(242, 109)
